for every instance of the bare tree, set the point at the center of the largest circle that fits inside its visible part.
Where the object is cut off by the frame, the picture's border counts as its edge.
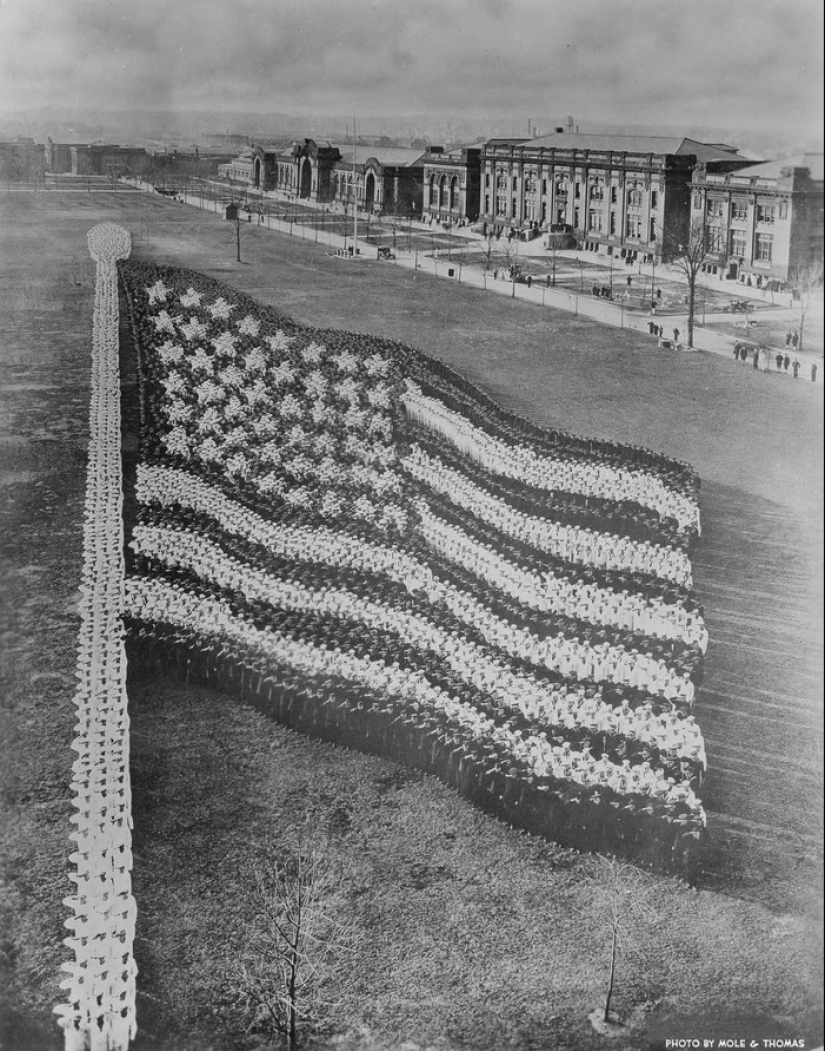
(553, 252)
(622, 906)
(236, 203)
(688, 257)
(295, 939)
(804, 281)
(487, 244)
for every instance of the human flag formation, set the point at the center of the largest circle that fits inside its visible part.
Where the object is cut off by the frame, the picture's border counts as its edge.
(342, 529)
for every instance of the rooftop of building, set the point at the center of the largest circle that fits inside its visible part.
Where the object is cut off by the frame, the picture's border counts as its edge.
(392, 156)
(660, 145)
(815, 162)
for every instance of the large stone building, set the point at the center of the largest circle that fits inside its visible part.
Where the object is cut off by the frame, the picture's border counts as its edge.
(382, 179)
(626, 195)
(452, 182)
(763, 221)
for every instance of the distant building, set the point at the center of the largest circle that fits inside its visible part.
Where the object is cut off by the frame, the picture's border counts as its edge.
(226, 142)
(452, 185)
(99, 158)
(22, 160)
(58, 156)
(626, 195)
(762, 220)
(191, 161)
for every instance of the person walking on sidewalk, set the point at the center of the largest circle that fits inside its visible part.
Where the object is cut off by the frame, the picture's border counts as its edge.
(756, 357)
(796, 367)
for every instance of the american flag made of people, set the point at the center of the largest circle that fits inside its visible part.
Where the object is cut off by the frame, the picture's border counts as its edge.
(345, 531)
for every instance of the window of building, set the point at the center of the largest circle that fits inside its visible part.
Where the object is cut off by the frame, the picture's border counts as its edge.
(633, 227)
(738, 244)
(738, 211)
(715, 238)
(577, 190)
(764, 248)
(561, 188)
(594, 220)
(575, 218)
(765, 213)
(597, 191)
(652, 236)
(614, 194)
(530, 183)
(715, 209)
(634, 196)
(654, 202)
(783, 209)
(697, 201)
(613, 224)
(544, 186)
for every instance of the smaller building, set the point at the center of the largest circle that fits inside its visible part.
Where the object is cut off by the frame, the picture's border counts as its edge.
(762, 221)
(452, 185)
(58, 157)
(22, 160)
(382, 179)
(100, 158)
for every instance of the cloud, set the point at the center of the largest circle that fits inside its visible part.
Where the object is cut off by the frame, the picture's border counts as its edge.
(740, 63)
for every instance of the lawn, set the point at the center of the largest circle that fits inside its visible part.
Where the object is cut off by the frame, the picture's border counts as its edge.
(473, 935)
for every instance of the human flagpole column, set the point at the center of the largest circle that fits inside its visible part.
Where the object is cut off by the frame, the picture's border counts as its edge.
(99, 1012)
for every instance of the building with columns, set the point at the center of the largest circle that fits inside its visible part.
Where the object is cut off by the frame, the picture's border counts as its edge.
(382, 179)
(763, 221)
(452, 182)
(626, 195)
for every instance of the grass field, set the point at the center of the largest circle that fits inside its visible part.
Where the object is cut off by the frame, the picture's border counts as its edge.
(474, 936)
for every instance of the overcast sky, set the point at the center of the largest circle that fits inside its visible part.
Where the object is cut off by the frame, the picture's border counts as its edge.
(736, 63)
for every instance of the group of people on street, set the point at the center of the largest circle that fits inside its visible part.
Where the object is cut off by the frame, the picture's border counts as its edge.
(767, 360)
